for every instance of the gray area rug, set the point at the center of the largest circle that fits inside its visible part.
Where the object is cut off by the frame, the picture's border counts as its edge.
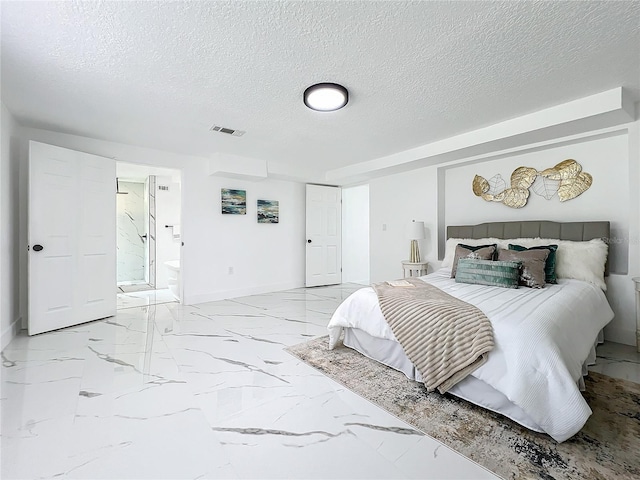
(608, 447)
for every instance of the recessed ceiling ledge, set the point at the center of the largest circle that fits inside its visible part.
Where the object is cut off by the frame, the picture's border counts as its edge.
(603, 110)
(302, 172)
(236, 166)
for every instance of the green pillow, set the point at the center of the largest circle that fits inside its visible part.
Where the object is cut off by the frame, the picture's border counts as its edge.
(488, 272)
(550, 264)
(481, 252)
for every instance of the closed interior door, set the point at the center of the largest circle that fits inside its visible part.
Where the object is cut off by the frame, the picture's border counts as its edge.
(323, 227)
(72, 241)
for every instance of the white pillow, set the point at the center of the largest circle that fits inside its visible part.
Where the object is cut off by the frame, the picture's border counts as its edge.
(582, 261)
(578, 260)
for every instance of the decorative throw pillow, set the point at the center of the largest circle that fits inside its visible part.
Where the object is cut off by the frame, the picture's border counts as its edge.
(550, 264)
(452, 243)
(582, 261)
(533, 263)
(480, 252)
(487, 272)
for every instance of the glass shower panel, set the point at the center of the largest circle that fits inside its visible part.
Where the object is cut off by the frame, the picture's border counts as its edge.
(151, 252)
(132, 235)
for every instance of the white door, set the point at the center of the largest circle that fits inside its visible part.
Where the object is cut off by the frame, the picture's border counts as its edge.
(72, 241)
(324, 257)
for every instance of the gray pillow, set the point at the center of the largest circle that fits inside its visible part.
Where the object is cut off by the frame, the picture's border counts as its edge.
(533, 263)
(481, 252)
(487, 272)
(550, 268)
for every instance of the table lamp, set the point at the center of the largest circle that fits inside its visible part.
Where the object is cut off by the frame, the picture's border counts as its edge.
(415, 231)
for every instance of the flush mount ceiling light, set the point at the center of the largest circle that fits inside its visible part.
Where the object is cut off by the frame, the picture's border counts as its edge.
(326, 97)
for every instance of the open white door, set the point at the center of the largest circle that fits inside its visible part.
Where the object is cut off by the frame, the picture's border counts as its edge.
(324, 225)
(72, 237)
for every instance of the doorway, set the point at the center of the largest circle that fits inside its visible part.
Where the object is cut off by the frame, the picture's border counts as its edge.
(149, 236)
(355, 234)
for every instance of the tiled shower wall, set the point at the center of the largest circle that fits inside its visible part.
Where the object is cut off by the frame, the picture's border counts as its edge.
(151, 191)
(130, 236)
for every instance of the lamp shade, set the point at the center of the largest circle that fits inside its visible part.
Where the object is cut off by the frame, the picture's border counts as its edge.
(415, 230)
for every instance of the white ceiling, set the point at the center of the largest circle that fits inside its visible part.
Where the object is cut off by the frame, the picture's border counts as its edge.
(160, 74)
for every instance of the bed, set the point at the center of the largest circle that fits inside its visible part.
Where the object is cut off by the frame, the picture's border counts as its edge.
(544, 338)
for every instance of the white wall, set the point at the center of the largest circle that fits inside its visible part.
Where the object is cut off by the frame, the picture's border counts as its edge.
(355, 234)
(265, 257)
(395, 201)
(607, 160)
(441, 195)
(9, 285)
(167, 213)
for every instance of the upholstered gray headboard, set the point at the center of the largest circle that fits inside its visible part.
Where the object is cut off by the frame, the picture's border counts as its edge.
(575, 231)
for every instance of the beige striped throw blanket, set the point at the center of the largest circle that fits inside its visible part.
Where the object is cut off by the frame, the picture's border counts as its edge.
(444, 337)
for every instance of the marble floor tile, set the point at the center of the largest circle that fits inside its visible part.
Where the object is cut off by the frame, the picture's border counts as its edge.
(36, 449)
(617, 351)
(617, 360)
(164, 390)
(625, 370)
(126, 287)
(146, 297)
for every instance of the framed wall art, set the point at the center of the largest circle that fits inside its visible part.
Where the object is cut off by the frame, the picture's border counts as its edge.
(234, 202)
(268, 211)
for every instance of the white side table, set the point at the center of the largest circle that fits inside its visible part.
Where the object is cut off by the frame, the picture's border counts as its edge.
(413, 269)
(636, 280)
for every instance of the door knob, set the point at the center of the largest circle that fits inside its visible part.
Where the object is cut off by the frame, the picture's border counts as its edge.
(37, 247)
(309, 241)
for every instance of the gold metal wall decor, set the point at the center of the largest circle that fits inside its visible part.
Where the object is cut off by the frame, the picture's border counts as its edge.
(566, 179)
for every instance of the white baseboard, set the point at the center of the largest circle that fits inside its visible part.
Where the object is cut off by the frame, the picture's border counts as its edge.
(240, 292)
(10, 333)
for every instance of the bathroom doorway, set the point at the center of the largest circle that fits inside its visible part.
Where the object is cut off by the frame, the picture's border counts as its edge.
(148, 214)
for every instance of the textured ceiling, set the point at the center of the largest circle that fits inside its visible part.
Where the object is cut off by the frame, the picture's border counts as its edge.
(160, 74)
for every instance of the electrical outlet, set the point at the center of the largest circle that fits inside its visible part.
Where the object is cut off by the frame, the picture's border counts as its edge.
(230, 270)
(384, 227)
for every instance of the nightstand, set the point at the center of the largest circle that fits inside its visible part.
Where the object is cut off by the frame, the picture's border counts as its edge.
(413, 269)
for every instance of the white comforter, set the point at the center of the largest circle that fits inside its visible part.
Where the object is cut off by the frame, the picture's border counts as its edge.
(542, 338)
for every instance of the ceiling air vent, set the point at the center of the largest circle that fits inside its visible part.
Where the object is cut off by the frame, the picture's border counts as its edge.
(229, 131)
